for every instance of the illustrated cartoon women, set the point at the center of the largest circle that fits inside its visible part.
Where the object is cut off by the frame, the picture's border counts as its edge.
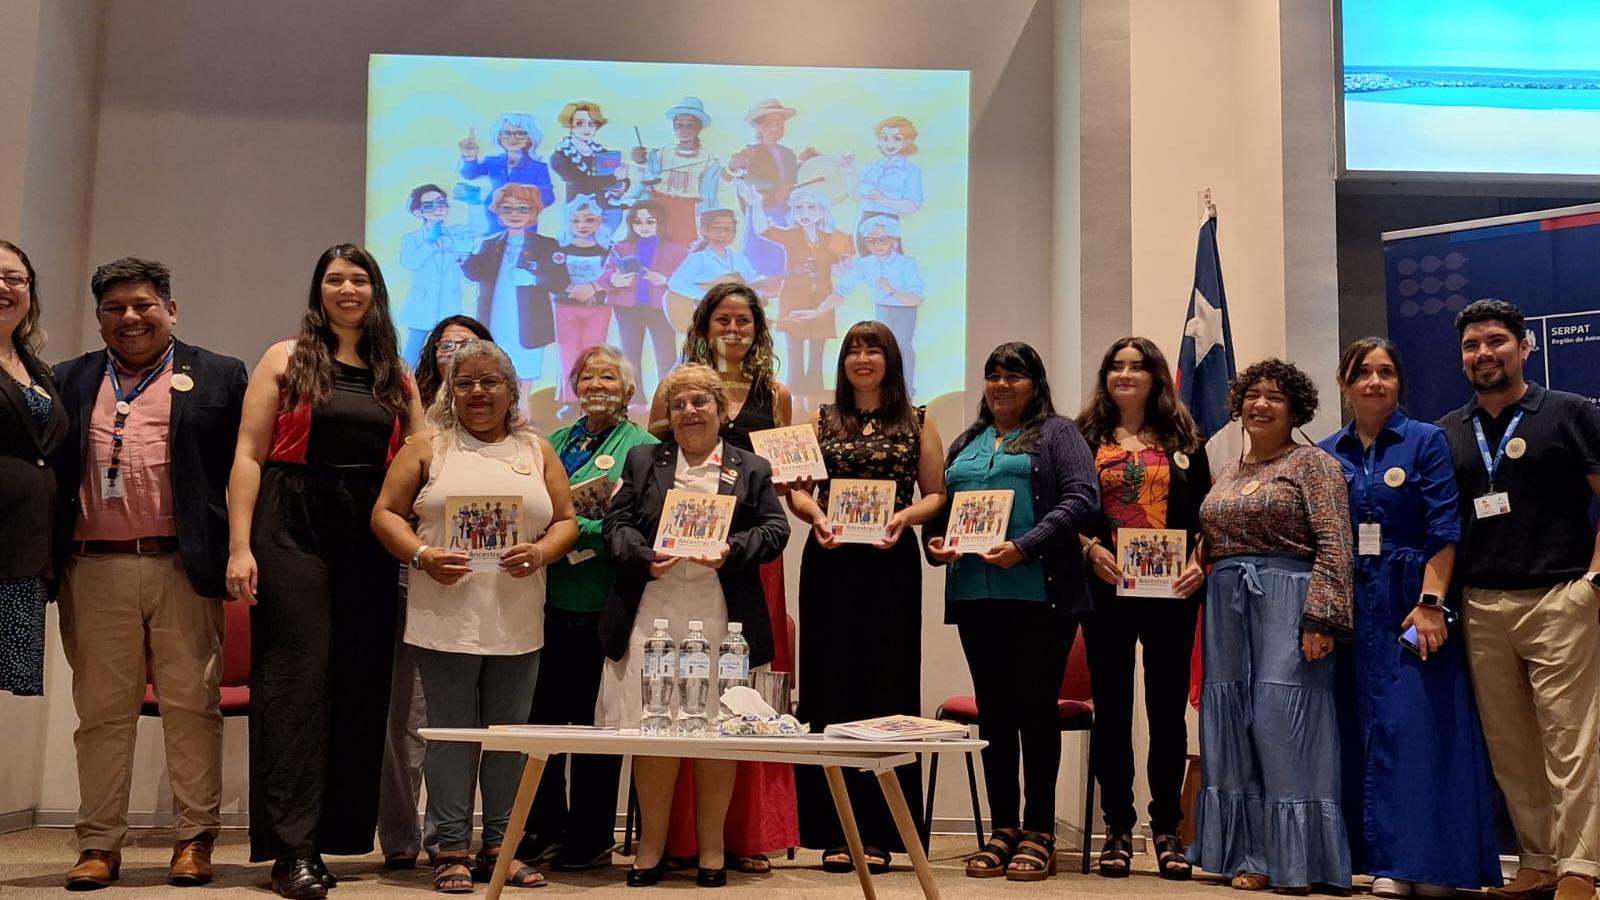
(585, 165)
(517, 274)
(683, 177)
(892, 185)
(433, 253)
(635, 278)
(582, 316)
(519, 139)
(896, 285)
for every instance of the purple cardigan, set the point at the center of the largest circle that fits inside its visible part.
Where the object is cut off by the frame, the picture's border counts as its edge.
(1066, 498)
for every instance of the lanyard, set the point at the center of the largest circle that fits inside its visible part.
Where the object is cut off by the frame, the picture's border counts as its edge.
(1368, 457)
(125, 405)
(1493, 464)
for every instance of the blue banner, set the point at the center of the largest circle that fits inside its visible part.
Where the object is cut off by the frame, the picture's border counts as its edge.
(1548, 265)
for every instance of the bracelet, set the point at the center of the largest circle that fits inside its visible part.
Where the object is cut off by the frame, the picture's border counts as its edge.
(416, 556)
(540, 550)
(1093, 543)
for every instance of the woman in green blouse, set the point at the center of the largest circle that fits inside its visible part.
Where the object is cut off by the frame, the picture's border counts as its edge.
(580, 835)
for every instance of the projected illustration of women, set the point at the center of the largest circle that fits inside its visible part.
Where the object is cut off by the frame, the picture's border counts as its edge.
(518, 139)
(585, 164)
(517, 272)
(433, 254)
(683, 177)
(582, 316)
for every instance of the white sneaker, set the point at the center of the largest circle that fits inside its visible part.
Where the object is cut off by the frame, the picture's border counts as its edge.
(1390, 887)
(1422, 889)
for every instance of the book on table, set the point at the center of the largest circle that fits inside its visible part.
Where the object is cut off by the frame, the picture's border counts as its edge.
(694, 524)
(898, 728)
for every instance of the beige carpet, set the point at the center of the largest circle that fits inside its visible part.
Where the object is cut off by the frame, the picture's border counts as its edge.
(33, 861)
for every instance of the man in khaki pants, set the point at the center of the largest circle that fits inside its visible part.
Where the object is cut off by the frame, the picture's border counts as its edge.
(142, 542)
(1527, 463)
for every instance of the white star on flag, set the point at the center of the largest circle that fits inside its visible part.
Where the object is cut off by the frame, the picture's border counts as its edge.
(1205, 327)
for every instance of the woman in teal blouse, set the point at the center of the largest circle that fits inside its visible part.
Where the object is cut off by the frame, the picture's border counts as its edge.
(580, 835)
(1017, 605)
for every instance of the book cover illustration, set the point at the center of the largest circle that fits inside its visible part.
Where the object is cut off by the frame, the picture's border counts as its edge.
(792, 451)
(978, 520)
(483, 527)
(592, 496)
(1151, 559)
(859, 509)
(694, 524)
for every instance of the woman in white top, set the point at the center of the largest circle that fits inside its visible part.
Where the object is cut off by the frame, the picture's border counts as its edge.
(477, 620)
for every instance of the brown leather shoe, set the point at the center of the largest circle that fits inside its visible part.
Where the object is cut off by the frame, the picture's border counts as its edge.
(95, 869)
(1529, 884)
(1575, 887)
(191, 863)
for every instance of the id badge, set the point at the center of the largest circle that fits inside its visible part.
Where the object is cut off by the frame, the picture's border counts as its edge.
(1490, 505)
(111, 488)
(1369, 539)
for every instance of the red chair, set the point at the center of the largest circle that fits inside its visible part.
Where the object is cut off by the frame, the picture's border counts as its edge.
(1074, 711)
(235, 664)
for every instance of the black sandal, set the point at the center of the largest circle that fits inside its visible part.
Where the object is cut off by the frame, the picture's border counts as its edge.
(453, 875)
(1170, 861)
(521, 875)
(991, 861)
(1035, 859)
(1116, 855)
(837, 860)
(877, 860)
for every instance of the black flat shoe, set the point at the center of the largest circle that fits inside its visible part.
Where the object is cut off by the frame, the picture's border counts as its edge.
(647, 877)
(298, 879)
(712, 877)
(328, 879)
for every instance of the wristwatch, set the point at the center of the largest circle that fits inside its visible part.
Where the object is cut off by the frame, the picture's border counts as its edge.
(416, 556)
(1431, 601)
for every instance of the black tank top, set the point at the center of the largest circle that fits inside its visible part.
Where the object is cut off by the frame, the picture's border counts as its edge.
(755, 415)
(352, 429)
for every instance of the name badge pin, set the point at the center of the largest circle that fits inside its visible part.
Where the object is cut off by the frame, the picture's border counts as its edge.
(1395, 477)
(604, 462)
(521, 466)
(123, 407)
(1250, 487)
(1180, 459)
(1516, 447)
(182, 383)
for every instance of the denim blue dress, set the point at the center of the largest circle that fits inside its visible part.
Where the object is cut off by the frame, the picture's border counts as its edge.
(1416, 775)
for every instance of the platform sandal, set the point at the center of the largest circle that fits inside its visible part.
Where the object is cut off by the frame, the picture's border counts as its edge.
(1035, 859)
(1116, 855)
(991, 861)
(1170, 861)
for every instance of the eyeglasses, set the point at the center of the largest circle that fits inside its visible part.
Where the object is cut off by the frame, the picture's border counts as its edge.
(116, 312)
(514, 209)
(14, 281)
(451, 345)
(515, 133)
(490, 383)
(433, 205)
(698, 402)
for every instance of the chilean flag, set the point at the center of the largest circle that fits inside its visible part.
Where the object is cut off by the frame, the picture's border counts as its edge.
(1205, 366)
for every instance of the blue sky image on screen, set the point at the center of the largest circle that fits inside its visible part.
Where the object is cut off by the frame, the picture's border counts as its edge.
(851, 213)
(1498, 86)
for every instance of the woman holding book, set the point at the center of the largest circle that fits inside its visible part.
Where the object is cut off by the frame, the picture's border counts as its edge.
(477, 638)
(1153, 474)
(1017, 605)
(861, 603)
(1416, 775)
(579, 834)
(1277, 532)
(715, 590)
(730, 334)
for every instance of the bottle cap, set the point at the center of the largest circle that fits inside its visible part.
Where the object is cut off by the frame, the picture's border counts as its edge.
(696, 625)
(659, 624)
(736, 628)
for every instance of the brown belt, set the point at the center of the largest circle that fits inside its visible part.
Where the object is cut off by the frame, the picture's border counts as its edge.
(144, 546)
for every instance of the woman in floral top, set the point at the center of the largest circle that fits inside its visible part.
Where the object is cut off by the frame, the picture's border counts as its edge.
(1277, 529)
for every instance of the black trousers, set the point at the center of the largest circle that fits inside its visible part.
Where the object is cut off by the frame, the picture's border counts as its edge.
(1017, 651)
(321, 655)
(577, 810)
(1166, 630)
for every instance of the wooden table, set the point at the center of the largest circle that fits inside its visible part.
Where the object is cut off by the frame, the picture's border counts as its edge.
(834, 755)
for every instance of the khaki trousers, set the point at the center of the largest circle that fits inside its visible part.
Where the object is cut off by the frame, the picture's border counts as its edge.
(1535, 660)
(120, 612)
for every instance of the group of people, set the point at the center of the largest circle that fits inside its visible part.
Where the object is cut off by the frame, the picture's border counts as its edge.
(1363, 597)
(643, 236)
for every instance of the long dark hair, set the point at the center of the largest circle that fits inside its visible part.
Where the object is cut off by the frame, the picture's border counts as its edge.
(309, 378)
(28, 337)
(1015, 356)
(895, 413)
(760, 362)
(1165, 416)
(428, 375)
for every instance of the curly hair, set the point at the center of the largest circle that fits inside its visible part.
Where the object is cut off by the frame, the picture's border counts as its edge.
(1491, 310)
(1295, 385)
(760, 362)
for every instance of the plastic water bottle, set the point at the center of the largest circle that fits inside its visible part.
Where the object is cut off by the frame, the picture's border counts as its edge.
(733, 665)
(694, 682)
(660, 679)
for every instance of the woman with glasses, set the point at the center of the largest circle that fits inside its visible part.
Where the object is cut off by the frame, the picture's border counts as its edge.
(518, 139)
(398, 833)
(477, 638)
(518, 278)
(1153, 474)
(433, 254)
(33, 426)
(715, 589)
(1277, 533)
(323, 416)
(580, 833)
(1017, 605)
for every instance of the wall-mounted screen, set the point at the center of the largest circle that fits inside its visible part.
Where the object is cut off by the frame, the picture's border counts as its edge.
(567, 203)
(1502, 87)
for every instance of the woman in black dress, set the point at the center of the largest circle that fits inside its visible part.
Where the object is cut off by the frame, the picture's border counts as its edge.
(324, 414)
(861, 604)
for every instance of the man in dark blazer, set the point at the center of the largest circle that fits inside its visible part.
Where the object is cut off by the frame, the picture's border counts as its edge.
(142, 542)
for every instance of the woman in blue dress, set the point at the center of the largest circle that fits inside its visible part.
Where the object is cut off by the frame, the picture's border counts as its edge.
(1416, 777)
